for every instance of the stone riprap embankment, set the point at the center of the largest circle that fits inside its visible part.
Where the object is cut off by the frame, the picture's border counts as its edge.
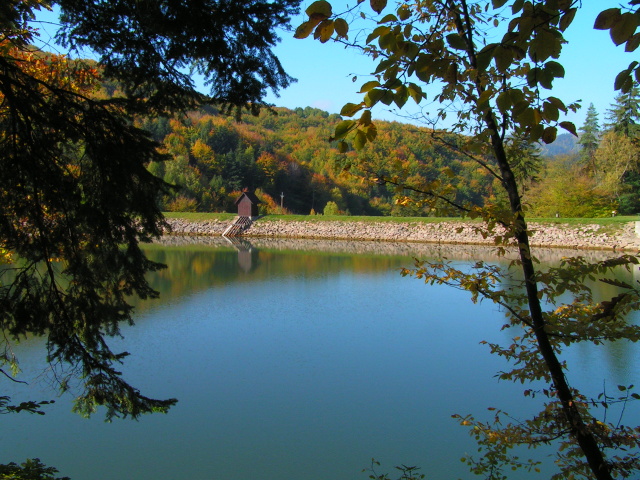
(454, 232)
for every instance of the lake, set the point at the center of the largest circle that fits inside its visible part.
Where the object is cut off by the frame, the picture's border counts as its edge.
(296, 360)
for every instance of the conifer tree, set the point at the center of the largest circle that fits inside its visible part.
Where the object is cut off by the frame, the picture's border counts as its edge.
(624, 114)
(590, 139)
(76, 197)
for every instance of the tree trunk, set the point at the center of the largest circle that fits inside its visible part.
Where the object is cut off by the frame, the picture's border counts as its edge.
(579, 430)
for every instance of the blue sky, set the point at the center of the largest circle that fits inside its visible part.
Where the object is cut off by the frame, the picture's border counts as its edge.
(591, 62)
(325, 71)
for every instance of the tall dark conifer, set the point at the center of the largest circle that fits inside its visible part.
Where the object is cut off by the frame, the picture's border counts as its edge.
(76, 198)
(590, 139)
(624, 115)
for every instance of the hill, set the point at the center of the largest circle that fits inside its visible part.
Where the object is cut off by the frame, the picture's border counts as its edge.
(565, 144)
(287, 156)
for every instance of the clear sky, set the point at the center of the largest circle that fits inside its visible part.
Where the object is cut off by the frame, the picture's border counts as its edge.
(325, 71)
(591, 62)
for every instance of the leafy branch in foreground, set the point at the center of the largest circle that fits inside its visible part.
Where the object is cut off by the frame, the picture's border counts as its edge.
(32, 469)
(494, 67)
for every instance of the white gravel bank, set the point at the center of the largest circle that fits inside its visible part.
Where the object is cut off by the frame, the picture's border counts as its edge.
(545, 235)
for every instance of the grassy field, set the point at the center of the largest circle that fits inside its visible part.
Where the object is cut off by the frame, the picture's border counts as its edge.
(201, 217)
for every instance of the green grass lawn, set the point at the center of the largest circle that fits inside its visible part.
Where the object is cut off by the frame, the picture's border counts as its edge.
(201, 217)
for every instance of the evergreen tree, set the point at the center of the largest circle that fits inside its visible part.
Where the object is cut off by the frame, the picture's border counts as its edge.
(624, 114)
(76, 198)
(589, 139)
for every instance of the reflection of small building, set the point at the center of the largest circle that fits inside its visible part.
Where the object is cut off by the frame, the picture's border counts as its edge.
(245, 259)
(247, 255)
(247, 204)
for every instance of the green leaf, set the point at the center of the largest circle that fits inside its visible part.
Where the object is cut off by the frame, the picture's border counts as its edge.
(343, 147)
(456, 41)
(549, 135)
(484, 57)
(606, 19)
(535, 133)
(401, 96)
(389, 18)
(498, 3)
(324, 31)
(555, 69)
(372, 132)
(388, 97)
(550, 112)
(504, 101)
(404, 12)
(369, 86)
(519, 106)
(451, 74)
(632, 43)
(415, 92)
(384, 65)
(388, 41)
(320, 8)
(569, 127)
(623, 81)
(377, 32)
(343, 128)
(304, 30)
(533, 77)
(567, 19)
(365, 118)
(485, 97)
(373, 96)
(546, 43)
(624, 28)
(503, 57)
(378, 5)
(342, 27)
(360, 140)
(517, 6)
(559, 104)
(351, 109)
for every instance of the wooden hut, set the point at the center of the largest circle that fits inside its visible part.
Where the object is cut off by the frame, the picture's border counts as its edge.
(247, 204)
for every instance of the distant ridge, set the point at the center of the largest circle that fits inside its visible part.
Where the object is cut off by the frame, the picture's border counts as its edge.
(565, 144)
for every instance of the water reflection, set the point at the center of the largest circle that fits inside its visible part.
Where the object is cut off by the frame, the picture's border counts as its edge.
(301, 360)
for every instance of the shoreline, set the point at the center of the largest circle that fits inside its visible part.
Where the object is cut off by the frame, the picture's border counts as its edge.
(591, 237)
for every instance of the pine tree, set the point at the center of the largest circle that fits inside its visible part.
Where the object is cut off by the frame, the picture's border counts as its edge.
(76, 197)
(590, 139)
(624, 114)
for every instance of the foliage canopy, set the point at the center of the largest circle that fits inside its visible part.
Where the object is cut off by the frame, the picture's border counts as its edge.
(498, 82)
(76, 196)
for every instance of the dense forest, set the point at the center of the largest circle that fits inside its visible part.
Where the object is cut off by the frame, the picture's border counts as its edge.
(287, 157)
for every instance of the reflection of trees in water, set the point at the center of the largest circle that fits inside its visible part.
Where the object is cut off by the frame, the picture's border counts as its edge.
(197, 263)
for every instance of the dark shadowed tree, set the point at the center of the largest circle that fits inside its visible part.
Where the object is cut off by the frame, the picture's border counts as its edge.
(76, 198)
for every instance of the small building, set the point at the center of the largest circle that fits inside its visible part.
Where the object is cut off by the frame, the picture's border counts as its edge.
(247, 204)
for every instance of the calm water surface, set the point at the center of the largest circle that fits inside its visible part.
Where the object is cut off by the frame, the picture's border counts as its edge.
(292, 364)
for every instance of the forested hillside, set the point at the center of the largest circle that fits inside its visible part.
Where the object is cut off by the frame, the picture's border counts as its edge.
(284, 152)
(287, 157)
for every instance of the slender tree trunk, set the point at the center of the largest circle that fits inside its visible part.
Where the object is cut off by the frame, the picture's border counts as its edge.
(585, 438)
(579, 429)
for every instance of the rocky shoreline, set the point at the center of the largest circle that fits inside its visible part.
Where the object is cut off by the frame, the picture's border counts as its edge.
(555, 235)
